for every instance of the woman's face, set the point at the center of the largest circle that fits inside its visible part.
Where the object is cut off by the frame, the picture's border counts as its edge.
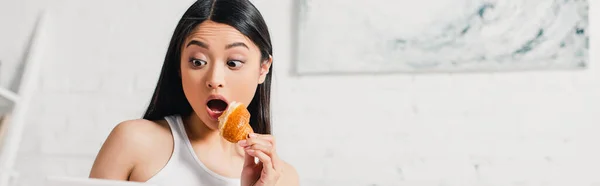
(219, 65)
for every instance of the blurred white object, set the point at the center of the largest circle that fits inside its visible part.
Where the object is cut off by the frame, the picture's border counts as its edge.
(21, 100)
(72, 181)
(5, 93)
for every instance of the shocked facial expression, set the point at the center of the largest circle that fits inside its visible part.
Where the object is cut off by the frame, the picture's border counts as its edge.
(219, 65)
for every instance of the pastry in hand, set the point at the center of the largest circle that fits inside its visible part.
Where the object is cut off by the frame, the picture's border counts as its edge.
(234, 123)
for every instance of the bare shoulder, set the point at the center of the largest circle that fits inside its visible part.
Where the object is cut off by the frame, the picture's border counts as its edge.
(128, 141)
(141, 133)
(289, 175)
(138, 134)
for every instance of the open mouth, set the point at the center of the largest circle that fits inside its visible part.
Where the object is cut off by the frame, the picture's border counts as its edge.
(217, 105)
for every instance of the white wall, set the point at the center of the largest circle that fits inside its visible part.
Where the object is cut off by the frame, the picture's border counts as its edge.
(497, 128)
(17, 18)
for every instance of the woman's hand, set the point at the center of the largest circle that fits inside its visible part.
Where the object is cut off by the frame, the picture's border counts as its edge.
(269, 169)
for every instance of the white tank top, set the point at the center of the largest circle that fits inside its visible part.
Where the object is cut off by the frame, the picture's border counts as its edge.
(184, 168)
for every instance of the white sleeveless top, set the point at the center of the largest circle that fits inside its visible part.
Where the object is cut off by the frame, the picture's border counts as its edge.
(184, 168)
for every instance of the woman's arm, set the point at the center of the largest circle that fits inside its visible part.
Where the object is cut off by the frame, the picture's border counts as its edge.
(116, 158)
(289, 176)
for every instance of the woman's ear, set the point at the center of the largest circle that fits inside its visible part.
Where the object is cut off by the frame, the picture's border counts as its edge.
(264, 69)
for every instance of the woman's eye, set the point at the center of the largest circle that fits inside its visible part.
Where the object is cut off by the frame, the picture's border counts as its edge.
(197, 62)
(235, 64)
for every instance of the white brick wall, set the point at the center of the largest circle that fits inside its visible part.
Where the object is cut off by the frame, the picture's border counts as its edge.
(496, 129)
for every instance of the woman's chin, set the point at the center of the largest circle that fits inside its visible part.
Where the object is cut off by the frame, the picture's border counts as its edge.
(211, 124)
(207, 121)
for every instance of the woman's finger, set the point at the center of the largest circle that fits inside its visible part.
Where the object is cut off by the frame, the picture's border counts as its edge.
(265, 159)
(260, 139)
(269, 152)
(255, 140)
(267, 149)
(266, 137)
(249, 160)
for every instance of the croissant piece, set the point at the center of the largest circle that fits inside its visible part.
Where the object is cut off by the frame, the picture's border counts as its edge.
(234, 123)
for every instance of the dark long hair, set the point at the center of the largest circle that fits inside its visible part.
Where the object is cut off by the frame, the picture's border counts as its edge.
(169, 99)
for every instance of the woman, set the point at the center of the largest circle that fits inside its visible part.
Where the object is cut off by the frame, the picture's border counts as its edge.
(220, 52)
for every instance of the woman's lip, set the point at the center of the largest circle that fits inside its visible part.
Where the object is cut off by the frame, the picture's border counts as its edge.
(214, 115)
(216, 96)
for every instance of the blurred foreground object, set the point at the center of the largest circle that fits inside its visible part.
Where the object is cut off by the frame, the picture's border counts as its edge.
(12, 129)
(69, 181)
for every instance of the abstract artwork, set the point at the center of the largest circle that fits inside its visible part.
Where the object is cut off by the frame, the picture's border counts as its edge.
(342, 36)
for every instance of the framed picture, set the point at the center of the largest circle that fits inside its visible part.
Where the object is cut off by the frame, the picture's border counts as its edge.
(389, 36)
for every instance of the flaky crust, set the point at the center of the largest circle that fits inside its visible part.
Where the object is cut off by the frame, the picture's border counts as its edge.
(237, 126)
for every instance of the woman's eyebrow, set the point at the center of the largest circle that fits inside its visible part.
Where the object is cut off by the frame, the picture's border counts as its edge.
(197, 43)
(236, 44)
(204, 45)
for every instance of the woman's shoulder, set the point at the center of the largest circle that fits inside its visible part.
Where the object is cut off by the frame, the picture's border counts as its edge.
(139, 137)
(141, 131)
(128, 145)
(142, 125)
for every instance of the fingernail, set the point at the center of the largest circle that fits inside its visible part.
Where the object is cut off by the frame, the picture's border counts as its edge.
(252, 135)
(242, 143)
(250, 151)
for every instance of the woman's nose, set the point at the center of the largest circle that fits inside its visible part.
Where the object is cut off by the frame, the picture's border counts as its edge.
(214, 84)
(216, 79)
